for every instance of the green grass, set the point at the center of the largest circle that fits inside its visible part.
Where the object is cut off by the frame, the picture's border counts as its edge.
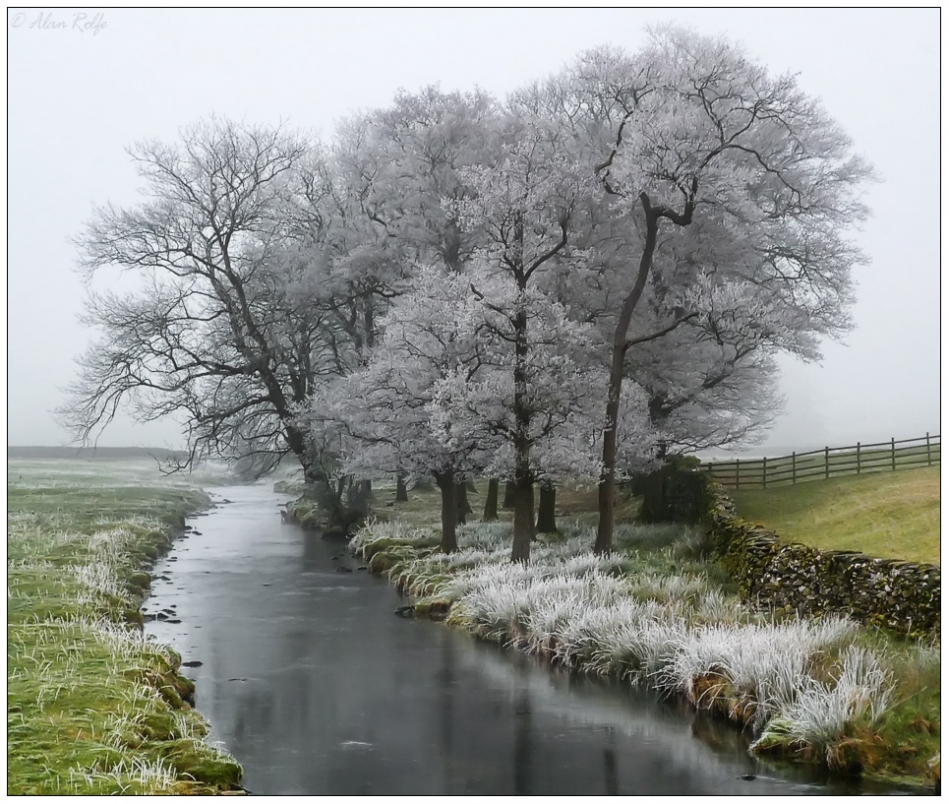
(887, 515)
(92, 706)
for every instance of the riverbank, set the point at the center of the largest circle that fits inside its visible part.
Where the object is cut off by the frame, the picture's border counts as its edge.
(656, 615)
(95, 708)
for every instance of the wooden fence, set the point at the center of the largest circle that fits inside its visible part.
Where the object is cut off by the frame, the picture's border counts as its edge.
(828, 462)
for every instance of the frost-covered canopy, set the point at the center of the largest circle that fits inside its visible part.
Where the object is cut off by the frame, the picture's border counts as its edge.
(564, 285)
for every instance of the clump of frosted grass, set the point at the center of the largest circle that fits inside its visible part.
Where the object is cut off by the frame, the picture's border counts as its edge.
(763, 664)
(669, 588)
(488, 536)
(99, 577)
(374, 531)
(819, 713)
(151, 776)
(713, 606)
(627, 638)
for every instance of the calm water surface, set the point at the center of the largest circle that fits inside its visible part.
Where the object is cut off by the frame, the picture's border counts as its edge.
(315, 687)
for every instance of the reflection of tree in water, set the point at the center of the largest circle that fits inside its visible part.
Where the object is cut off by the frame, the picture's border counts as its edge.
(610, 775)
(446, 681)
(522, 741)
(722, 736)
(254, 711)
(313, 551)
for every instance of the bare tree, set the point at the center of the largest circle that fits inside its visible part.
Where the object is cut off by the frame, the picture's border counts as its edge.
(222, 331)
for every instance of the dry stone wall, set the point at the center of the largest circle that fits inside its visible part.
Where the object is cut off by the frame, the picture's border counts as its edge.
(897, 595)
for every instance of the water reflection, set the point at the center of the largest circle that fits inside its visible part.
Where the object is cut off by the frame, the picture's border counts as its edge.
(610, 777)
(313, 684)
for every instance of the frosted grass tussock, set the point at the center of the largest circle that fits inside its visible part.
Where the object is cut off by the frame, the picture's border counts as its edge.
(820, 713)
(492, 611)
(634, 642)
(584, 562)
(99, 577)
(545, 623)
(374, 531)
(469, 558)
(151, 776)
(669, 588)
(865, 684)
(765, 664)
(110, 540)
(488, 536)
(133, 521)
(713, 606)
(124, 644)
(417, 579)
(762, 664)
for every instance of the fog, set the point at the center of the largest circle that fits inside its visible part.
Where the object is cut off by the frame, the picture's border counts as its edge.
(81, 89)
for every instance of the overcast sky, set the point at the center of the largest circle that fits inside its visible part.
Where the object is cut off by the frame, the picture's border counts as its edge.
(81, 89)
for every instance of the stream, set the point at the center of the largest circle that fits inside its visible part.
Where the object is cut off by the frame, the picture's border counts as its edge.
(315, 687)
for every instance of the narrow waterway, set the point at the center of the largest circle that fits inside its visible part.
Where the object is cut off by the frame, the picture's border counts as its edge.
(313, 684)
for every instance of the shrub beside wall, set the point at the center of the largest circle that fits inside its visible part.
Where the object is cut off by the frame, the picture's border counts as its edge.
(893, 594)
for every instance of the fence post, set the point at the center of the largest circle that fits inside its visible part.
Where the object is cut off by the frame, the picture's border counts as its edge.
(826, 463)
(737, 481)
(793, 468)
(929, 454)
(858, 457)
(893, 453)
(764, 472)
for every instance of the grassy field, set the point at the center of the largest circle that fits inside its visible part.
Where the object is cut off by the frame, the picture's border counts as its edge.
(888, 515)
(93, 707)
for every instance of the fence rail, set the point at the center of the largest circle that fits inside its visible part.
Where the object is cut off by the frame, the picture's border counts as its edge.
(799, 467)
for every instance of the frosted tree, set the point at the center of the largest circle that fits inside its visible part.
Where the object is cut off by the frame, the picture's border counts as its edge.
(408, 161)
(560, 375)
(694, 134)
(527, 206)
(385, 411)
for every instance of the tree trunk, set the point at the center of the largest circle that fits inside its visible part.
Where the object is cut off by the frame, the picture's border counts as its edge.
(655, 507)
(491, 501)
(546, 509)
(446, 484)
(607, 489)
(508, 502)
(523, 476)
(523, 519)
(401, 492)
(461, 500)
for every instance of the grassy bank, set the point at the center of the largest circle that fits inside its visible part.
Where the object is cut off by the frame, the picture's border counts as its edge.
(887, 515)
(656, 614)
(93, 706)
